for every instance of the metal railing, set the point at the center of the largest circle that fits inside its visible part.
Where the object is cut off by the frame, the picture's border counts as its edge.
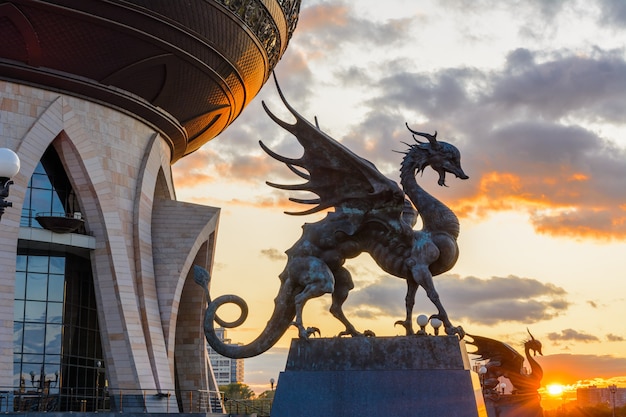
(110, 399)
(260, 407)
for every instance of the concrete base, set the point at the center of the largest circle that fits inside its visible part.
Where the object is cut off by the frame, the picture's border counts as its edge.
(381, 376)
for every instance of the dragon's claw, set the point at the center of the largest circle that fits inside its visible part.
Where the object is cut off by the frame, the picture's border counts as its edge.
(354, 333)
(407, 325)
(311, 331)
(306, 333)
(451, 330)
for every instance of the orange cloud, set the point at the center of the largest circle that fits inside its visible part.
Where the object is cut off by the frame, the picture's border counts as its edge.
(561, 204)
(321, 16)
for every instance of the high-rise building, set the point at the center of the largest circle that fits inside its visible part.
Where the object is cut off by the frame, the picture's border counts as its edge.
(98, 98)
(226, 370)
(593, 395)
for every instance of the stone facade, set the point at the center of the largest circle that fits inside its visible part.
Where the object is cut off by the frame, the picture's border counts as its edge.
(142, 242)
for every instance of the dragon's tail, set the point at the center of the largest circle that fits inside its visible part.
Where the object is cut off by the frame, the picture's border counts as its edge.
(282, 317)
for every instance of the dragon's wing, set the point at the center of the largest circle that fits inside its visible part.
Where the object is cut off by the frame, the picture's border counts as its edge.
(493, 349)
(339, 177)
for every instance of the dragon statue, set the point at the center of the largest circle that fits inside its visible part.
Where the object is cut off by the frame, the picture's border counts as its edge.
(371, 214)
(505, 361)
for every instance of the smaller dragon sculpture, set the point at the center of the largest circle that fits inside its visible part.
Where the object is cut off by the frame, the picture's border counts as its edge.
(504, 361)
(372, 214)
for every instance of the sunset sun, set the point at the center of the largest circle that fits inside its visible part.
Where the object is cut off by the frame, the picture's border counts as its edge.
(555, 389)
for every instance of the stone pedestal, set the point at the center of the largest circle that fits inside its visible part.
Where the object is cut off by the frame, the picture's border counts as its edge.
(380, 376)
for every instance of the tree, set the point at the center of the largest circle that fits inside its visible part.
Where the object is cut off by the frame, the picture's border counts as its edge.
(268, 395)
(237, 391)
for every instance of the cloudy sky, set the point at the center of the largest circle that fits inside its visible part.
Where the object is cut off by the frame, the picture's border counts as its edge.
(533, 93)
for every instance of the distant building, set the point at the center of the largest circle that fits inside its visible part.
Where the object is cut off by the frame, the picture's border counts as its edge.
(226, 370)
(593, 395)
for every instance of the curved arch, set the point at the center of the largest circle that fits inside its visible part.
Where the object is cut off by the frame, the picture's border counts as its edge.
(176, 252)
(151, 183)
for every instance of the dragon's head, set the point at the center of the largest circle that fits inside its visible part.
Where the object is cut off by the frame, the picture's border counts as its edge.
(441, 156)
(533, 344)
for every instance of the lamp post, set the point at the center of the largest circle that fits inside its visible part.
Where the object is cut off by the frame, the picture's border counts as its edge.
(482, 371)
(43, 386)
(9, 167)
(436, 323)
(98, 372)
(422, 321)
(613, 391)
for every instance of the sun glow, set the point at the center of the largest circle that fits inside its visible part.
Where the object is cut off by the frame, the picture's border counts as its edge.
(555, 389)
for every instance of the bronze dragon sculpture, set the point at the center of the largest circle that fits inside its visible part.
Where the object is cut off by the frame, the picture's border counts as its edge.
(371, 214)
(505, 361)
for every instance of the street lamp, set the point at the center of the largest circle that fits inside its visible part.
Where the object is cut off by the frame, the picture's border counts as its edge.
(9, 167)
(98, 372)
(436, 323)
(43, 383)
(482, 371)
(422, 321)
(613, 391)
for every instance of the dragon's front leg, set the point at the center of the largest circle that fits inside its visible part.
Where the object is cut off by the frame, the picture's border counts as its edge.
(425, 279)
(409, 302)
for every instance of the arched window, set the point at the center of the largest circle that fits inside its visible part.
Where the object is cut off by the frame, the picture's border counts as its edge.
(57, 351)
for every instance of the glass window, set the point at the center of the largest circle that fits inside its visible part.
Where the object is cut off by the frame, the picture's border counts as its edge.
(51, 287)
(37, 264)
(55, 313)
(53, 339)
(35, 311)
(36, 286)
(18, 310)
(40, 179)
(18, 333)
(57, 204)
(57, 265)
(30, 358)
(41, 201)
(34, 337)
(20, 285)
(20, 262)
(56, 284)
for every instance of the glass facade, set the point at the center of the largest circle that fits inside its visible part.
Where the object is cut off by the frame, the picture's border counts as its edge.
(49, 192)
(57, 352)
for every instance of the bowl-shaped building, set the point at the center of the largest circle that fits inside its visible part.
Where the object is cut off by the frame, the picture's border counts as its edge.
(98, 98)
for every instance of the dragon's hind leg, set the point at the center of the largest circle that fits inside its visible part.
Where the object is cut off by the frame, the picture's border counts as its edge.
(343, 285)
(315, 278)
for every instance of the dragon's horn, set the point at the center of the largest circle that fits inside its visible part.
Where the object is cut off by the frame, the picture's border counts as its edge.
(531, 336)
(431, 138)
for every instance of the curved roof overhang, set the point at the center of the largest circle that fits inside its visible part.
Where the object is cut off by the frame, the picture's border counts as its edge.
(186, 68)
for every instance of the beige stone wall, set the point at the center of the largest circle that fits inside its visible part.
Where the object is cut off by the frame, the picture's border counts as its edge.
(119, 167)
